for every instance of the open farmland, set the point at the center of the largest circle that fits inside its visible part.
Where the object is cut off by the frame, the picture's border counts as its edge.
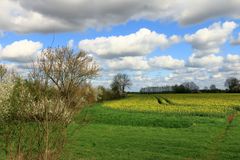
(166, 126)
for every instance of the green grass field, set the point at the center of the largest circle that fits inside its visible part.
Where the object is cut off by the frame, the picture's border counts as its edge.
(181, 126)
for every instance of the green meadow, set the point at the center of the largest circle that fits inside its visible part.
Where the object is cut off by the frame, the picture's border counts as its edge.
(155, 127)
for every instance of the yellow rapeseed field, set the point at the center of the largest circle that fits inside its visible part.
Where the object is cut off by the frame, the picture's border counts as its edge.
(196, 104)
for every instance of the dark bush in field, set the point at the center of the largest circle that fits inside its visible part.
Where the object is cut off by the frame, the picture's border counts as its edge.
(106, 94)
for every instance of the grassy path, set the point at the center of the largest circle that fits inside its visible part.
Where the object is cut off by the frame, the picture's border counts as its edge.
(227, 137)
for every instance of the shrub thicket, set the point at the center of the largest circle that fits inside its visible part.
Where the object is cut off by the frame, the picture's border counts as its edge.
(35, 112)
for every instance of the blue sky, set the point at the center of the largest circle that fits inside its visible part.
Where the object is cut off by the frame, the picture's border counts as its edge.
(157, 42)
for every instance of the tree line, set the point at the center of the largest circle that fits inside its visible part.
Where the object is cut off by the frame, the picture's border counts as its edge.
(232, 85)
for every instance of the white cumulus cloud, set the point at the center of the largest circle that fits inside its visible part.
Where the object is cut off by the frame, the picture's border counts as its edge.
(232, 63)
(140, 43)
(233, 58)
(166, 62)
(128, 63)
(20, 51)
(208, 41)
(204, 62)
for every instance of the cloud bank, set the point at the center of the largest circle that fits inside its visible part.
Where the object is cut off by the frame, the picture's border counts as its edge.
(47, 16)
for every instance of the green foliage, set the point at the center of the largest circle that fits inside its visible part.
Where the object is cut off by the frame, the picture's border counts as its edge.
(38, 91)
(105, 94)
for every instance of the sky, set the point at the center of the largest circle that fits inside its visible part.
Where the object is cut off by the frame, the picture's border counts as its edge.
(155, 42)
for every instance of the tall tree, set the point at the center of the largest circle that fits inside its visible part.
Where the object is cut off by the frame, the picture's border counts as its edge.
(232, 84)
(190, 86)
(120, 83)
(62, 74)
(213, 87)
(65, 70)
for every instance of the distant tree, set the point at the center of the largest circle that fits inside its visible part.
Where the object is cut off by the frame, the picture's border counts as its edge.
(120, 83)
(191, 86)
(181, 89)
(232, 84)
(3, 71)
(205, 88)
(213, 87)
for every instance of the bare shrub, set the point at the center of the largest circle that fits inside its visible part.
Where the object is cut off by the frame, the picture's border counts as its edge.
(39, 109)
